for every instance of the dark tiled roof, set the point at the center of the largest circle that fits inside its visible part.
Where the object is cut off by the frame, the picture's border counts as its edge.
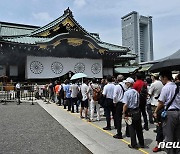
(30, 35)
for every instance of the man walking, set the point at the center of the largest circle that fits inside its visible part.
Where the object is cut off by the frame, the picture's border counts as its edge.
(18, 87)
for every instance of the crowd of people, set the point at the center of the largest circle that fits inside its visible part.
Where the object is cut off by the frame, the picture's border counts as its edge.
(131, 99)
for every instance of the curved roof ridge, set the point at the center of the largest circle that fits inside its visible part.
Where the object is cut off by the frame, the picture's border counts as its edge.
(114, 45)
(52, 38)
(84, 30)
(36, 31)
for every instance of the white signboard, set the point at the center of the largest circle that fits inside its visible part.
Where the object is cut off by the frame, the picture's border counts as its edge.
(52, 67)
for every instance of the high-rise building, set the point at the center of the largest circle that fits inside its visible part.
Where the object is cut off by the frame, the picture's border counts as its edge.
(138, 36)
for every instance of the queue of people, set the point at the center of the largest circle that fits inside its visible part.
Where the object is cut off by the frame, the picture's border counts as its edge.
(131, 99)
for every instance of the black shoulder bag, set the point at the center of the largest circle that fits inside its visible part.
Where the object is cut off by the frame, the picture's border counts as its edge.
(122, 88)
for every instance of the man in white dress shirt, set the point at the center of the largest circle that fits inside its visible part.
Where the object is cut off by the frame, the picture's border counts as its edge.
(117, 100)
(109, 107)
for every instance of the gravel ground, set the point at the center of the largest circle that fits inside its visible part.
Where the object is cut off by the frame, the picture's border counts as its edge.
(29, 129)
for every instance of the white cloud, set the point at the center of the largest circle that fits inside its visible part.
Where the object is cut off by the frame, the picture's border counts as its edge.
(42, 17)
(79, 3)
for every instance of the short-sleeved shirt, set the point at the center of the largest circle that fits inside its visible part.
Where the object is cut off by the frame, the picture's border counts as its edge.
(108, 90)
(167, 93)
(57, 88)
(155, 88)
(131, 98)
(67, 90)
(118, 93)
(74, 90)
(18, 86)
(138, 85)
(84, 91)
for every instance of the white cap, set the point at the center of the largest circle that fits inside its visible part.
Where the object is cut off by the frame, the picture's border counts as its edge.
(130, 80)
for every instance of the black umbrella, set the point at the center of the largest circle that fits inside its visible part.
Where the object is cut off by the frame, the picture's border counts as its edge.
(169, 64)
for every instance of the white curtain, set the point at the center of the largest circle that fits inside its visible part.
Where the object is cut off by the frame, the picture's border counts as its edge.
(51, 67)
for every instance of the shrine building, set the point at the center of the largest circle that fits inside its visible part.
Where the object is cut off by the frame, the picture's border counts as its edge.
(53, 50)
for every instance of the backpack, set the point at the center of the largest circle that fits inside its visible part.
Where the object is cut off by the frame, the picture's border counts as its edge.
(79, 95)
(61, 92)
(97, 94)
(144, 91)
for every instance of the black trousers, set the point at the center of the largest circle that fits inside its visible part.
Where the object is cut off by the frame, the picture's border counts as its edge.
(74, 101)
(118, 117)
(142, 107)
(18, 95)
(109, 107)
(59, 100)
(68, 102)
(159, 136)
(136, 129)
(150, 113)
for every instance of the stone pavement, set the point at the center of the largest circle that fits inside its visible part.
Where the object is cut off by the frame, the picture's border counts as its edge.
(29, 129)
(91, 134)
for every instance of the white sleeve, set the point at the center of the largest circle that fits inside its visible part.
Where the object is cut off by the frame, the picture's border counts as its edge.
(105, 90)
(151, 89)
(162, 96)
(125, 98)
(115, 95)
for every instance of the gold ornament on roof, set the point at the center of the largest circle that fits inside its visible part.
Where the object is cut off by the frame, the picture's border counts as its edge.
(56, 28)
(46, 33)
(68, 22)
(42, 46)
(91, 46)
(101, 51)
(56, 43)
(74, 41)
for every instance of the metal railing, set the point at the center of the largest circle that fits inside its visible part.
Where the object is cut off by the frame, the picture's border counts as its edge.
(27, 93)
(10, 93)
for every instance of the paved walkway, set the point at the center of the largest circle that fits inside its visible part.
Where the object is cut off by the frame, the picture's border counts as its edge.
(29, 129)
(92, 135)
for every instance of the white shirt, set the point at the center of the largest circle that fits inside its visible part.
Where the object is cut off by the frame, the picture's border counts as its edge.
(84, 91)
(108, 90)
(74, 90)
(149, 99)
(131, 98)
(118, 93)
(167, 93)
(18, 85)
(154, 91)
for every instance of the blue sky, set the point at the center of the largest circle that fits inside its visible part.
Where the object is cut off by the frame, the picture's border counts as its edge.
(103, 17)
